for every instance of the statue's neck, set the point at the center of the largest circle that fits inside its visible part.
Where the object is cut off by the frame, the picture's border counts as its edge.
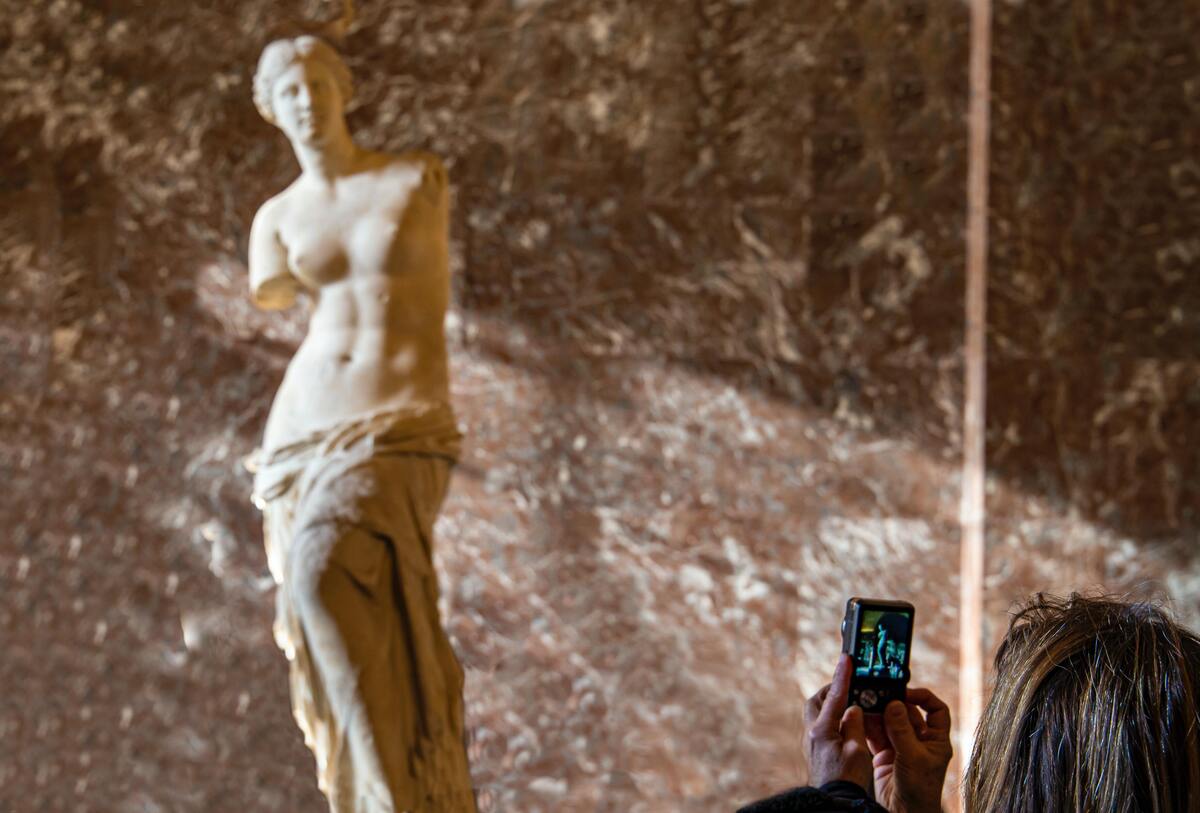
(330, 160)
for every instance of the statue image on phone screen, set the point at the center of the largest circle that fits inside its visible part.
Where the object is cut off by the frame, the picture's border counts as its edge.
(877, 633)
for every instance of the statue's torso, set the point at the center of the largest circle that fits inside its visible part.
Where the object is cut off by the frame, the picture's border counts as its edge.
(374, 253)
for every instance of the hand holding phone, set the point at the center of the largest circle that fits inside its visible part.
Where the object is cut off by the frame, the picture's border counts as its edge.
(837, 739)
(911, 739)
(911, 746)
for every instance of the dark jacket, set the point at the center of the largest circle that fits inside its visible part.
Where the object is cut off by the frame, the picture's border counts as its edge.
(833, 796)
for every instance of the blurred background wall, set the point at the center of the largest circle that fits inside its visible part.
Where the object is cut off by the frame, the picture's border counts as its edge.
(706, 344)
(1094, 297)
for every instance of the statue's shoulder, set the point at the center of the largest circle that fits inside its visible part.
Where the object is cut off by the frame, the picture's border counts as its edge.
(433, 169)
(425, 158)
(269, 213)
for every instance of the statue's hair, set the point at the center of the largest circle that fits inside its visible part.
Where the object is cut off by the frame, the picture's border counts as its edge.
(282, 54)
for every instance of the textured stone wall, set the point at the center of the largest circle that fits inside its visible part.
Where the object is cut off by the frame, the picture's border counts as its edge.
(1094, 297)
(706, 343)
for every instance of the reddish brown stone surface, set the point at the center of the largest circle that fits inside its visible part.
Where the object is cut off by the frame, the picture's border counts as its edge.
(1094, 297)
(706, 345)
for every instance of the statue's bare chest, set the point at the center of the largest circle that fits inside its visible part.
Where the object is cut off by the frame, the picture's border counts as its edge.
(358, 230)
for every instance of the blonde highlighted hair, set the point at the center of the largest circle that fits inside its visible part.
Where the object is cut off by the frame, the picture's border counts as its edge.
(1094, 710)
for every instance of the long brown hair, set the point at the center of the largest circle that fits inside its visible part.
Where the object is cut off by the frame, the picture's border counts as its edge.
(1094, 710)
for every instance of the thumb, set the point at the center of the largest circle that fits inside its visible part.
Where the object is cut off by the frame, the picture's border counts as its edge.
(853, 726)
(899, 729)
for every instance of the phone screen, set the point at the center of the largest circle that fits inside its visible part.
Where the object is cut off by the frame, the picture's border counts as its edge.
(884, 637)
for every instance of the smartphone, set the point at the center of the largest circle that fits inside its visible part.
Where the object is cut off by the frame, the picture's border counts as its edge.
(877, 634)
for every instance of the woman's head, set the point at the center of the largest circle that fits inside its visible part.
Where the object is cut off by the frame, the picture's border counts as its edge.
(1094, 709)
(301, 86)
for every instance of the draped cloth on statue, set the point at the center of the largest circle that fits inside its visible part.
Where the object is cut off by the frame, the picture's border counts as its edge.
(376, 687)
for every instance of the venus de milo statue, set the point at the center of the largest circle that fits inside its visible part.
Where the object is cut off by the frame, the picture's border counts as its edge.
(358, 448)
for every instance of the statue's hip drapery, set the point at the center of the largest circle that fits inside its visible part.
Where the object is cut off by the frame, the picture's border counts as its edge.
(376, 687)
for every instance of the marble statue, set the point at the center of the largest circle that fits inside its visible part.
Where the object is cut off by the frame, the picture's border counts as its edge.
(358, 448)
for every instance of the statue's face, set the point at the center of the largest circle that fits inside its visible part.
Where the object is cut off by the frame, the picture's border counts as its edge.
(306, 102)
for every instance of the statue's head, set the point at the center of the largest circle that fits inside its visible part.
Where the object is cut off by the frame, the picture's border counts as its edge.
(301, 86)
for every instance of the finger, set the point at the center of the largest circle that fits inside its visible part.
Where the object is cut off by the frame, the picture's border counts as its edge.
(852, 728)
(899, 729)
(812, 709)
(876, 736)
(916, 720)
(883, 765)
(937, 716)
(835, 701)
